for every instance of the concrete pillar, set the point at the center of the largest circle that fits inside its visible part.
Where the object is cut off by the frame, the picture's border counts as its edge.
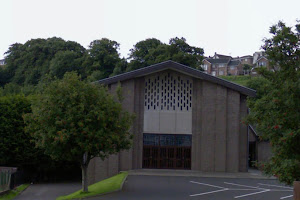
(233, 129)
(243, 157)
(196, 124)
(209, 91)
(138, 125)
(221, 119)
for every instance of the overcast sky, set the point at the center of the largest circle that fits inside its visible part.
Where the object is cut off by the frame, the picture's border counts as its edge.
(233, 27)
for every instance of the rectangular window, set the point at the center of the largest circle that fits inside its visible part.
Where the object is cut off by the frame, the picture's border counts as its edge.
(213, 73)
(221, 73)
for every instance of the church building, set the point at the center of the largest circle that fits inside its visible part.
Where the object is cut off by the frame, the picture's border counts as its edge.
(185, 119)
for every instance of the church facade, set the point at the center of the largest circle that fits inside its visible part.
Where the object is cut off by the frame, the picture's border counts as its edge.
(185, 119)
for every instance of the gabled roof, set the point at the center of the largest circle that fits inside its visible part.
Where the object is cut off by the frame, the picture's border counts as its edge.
(180, 68)
(234, 62)
(261, 57)
(222, 56)
(218, 61)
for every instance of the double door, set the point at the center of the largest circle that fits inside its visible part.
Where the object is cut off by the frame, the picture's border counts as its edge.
(167, 151)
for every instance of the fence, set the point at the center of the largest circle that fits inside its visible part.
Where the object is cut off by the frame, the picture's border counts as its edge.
(5, 177)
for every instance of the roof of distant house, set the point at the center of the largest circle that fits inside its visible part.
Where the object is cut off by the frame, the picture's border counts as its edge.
(217, 61)
(222, 56)
(234, 62)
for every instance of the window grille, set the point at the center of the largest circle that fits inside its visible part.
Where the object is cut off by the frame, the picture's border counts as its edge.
(168, 92)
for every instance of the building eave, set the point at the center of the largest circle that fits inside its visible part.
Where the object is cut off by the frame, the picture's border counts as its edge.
(180, 68)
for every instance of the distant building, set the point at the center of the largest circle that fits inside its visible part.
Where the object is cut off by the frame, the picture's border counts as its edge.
(2, 62)
(259, 60)
(223, 65)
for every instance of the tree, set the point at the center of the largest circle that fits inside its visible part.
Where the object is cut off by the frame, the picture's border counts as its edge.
(66, 61)
(15, 145)
(104, 56)
(277, 112)
(28, 63)
(76, 121)
(151, 51)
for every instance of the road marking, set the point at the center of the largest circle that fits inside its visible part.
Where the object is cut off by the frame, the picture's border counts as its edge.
(245, 186)
(287, 197)
(256, 190)
(193, 195)
(207, 184)
(245, 195)
(275, 186)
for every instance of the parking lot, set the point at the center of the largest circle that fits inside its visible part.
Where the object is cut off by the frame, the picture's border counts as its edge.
(193, 188)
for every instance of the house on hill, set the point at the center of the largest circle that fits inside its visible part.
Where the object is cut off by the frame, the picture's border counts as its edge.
(223, 65)
(2, 62)
(185, 119)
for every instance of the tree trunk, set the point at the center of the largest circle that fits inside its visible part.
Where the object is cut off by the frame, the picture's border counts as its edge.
(84, 167)
(84, 178)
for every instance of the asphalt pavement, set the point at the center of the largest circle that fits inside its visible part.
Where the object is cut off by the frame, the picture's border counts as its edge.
(48, 191)
(139, 187)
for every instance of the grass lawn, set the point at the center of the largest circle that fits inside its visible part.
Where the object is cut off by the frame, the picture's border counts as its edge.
(13, 193)
(108, 185)
(241, 80)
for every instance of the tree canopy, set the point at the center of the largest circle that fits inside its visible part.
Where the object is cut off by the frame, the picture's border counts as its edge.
(75, 121)
(15, 145)
(151, 51)
(276, 110)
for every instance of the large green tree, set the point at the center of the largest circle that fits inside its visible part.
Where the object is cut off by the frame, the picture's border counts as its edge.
(28, 63)
(104, 57)
(151, 51)
(76, 121)
(276, 112)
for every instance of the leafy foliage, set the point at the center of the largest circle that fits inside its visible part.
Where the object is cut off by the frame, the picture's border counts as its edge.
(104, 56)
(276, 111)
(28, 63)
(151, 51)
(75, 121)
(15, 145)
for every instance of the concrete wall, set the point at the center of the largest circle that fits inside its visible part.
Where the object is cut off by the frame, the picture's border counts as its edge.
(219, 139)
(264, 151)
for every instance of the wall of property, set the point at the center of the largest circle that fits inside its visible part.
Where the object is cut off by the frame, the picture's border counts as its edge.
(264, 151)
(168, 103)
(219, 140)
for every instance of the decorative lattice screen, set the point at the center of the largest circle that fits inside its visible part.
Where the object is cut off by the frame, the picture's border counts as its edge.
(168, 92)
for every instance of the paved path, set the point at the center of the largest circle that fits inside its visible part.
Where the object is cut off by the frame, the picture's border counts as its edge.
(139, 187)
(48, 191)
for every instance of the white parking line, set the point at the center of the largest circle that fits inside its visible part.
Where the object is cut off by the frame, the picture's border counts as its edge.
(245, 186)
(255, 190)
(287, 197)
(207, 184)
(275, 186)
(193, 195)
(251, 194)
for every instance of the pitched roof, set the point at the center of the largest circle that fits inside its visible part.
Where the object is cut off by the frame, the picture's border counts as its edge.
(218, 61)
(222, 56)
(234, 62)
(180, 68)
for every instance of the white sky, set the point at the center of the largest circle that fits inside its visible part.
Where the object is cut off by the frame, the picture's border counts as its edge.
(233, 27)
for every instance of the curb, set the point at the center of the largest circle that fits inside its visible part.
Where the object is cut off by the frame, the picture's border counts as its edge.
(98, 195)
(178, 174)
